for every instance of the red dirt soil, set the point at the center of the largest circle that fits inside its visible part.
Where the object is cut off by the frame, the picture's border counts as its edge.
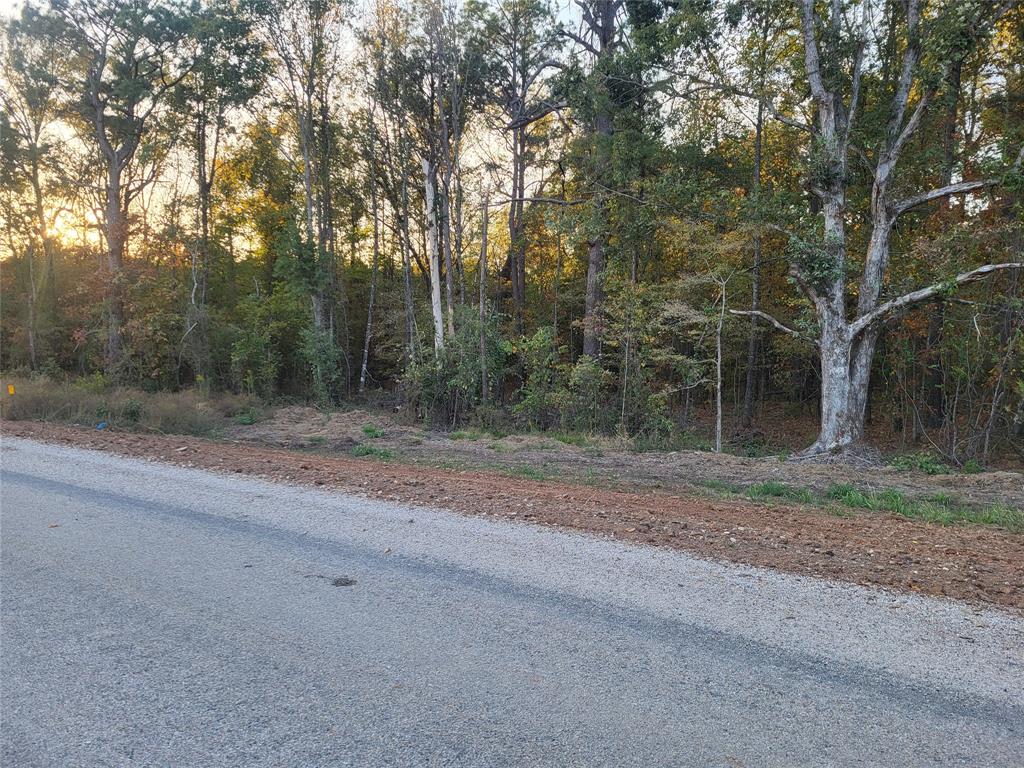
(975, 563)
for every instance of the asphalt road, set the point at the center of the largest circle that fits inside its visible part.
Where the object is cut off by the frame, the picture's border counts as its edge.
(157, 616)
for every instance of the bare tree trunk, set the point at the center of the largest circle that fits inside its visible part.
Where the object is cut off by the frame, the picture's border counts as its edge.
(747, 417)
(601, 21)
(407, 292)
(117, 233)
(432, 246)
(595, 252)
(718, 369)
(376, 258)
(483, 298)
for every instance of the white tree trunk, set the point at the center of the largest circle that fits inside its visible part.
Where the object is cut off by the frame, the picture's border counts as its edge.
(433, 251)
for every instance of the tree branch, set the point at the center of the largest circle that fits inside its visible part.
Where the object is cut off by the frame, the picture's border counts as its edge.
(773, 322)
(916, 297)
(935, 194)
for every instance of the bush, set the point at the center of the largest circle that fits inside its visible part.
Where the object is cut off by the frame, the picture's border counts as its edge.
(539, 399)
(324, 358)
(370, 450)
(446, 388)
(923, 462)
(587, 384)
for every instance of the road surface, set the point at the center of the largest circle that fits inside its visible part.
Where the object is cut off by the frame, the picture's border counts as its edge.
(159, 616)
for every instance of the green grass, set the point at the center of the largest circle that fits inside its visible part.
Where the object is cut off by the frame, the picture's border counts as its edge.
(530, 473)
(247, 417)
(466, 434)
(371, 431)
(941, 508)
(775, 490)
(571, 438)
(371, 450)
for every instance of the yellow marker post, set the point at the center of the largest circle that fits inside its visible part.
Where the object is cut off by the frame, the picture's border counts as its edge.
(10, 389)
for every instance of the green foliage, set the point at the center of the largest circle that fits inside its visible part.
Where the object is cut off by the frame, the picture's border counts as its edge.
(942, 509)
(540, 395)
(324, 358)
(273, 339)
(928, 463)
(372, 431)
(247, 417)
(446, 387)
(817, 261)
(972, 467)
(588, 383)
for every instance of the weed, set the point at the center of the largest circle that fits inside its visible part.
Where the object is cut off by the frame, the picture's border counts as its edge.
(371, 431)
(720, 486)
(372, 450)
(928, 463)
(530, 473)
(941, 508)
(776, 490)
(571, 438)
(248, 417)
(973, 467)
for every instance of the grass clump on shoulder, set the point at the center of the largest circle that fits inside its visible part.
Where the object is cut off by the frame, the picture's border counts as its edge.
(776, 490)
(372, 451)
(941, 508)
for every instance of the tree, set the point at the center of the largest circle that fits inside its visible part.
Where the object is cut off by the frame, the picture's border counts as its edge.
(127, 57)
(836, 61)
(521, 38)
(31, 111)
(229, 68)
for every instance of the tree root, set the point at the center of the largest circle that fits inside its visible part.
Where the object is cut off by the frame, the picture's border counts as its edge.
(856, 455)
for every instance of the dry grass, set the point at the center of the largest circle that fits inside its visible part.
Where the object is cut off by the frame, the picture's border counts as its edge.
(91, 402)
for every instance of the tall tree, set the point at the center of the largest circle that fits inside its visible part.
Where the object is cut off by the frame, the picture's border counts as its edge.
(229, 70)
(127, 57)
(837, 58)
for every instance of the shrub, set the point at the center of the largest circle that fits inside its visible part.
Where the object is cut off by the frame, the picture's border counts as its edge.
(324, 358)
(587, 383)
(539, 396)
(923, 462)
(446, 388)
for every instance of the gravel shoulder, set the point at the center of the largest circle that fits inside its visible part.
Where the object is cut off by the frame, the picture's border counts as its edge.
(979, 564)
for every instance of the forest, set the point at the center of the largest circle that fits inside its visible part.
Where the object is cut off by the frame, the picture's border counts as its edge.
(651, 218)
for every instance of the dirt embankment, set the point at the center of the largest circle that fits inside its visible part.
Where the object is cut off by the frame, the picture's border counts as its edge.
(980, 564)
